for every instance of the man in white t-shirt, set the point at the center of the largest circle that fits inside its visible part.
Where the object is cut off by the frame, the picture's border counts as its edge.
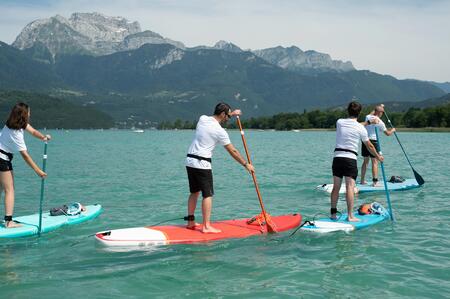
(208, 134)
(348, 134)
(375, 115)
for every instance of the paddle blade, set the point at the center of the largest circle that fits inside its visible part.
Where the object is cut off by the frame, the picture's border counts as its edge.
(264, 219)
(271, 229)
(418, 177)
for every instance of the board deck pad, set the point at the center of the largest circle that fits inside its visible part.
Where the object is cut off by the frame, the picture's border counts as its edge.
(30, 223)
(326, 225)
(179, 234)
(406, 185)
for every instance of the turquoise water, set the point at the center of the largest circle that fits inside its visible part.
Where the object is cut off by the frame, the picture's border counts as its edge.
(140, 179)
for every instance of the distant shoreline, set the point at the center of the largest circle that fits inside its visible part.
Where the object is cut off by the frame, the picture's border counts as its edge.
(429, 129)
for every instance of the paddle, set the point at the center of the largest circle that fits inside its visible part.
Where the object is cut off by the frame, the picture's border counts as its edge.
(270, 228)
(418, 177)
(44, 162)
(391, 214)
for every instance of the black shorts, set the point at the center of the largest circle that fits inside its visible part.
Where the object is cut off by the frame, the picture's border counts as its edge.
(200, 180)
(5, 165)
(365, 152)
(345, 167)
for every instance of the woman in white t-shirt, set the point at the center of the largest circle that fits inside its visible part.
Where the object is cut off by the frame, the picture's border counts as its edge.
(12, 141)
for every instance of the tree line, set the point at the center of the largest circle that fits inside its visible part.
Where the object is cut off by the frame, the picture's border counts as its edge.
(438, 116)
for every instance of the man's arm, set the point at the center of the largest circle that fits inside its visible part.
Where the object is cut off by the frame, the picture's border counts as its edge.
(390, 131)
(238, 157)
(373, 151)
(375, 120)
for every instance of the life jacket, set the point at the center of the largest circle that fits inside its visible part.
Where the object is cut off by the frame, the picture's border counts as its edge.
(371, 208)
(365, 209)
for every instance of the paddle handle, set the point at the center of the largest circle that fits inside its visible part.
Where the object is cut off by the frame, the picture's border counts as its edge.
(253, 174)
(44, 164)
(388, 198)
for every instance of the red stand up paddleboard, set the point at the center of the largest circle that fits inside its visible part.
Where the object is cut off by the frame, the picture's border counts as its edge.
(179, 234)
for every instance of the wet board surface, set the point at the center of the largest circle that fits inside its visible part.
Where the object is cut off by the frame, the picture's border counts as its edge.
(179, 234)
(30, 223)
(406, 185)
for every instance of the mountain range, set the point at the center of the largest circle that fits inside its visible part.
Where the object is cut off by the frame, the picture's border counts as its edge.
(109, 64)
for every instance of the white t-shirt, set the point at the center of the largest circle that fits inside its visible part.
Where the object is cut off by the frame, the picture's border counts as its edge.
(348, 134)
(11, 141)
(207, 135)
(371, 128)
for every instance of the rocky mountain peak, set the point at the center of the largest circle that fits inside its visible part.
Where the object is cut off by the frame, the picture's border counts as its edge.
(293, 58)
(227, 46)
(87, 33)
(99, 27)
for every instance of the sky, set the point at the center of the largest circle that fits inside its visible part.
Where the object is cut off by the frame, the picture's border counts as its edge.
(408, 39)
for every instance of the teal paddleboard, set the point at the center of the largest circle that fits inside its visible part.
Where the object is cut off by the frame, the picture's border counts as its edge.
(30, 223)
(327, 225)
(406, 185)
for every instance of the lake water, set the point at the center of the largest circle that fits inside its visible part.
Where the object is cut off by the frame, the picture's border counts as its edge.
(140, 179)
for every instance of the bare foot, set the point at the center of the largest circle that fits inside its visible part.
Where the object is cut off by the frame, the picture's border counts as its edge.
(333, 217)
(12, 224)
(192, 225)
(376, 184)
(352, 219)
(210, 230)
(363, 183)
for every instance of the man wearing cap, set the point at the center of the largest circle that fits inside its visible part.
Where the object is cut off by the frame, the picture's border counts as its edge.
(375, 121)
(208, 134)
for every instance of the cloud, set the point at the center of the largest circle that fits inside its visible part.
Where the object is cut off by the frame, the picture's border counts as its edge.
(402, 38)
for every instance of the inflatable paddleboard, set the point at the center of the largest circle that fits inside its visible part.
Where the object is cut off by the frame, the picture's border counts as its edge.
(406, 185)
(179, 234)
(30, 223)
(327, 225)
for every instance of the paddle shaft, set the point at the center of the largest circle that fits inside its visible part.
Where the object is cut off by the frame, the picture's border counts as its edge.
(418, 177)
(269, 228)
(44, 162)
(391, 214)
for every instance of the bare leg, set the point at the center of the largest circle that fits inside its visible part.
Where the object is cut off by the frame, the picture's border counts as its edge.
(7, 182)
(335, 194)
(350, 196)
(363, 170)
(206, 209)
(192, 204)
(375, 169)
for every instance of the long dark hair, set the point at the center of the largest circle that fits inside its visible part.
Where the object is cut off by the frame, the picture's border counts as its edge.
(18, 118)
